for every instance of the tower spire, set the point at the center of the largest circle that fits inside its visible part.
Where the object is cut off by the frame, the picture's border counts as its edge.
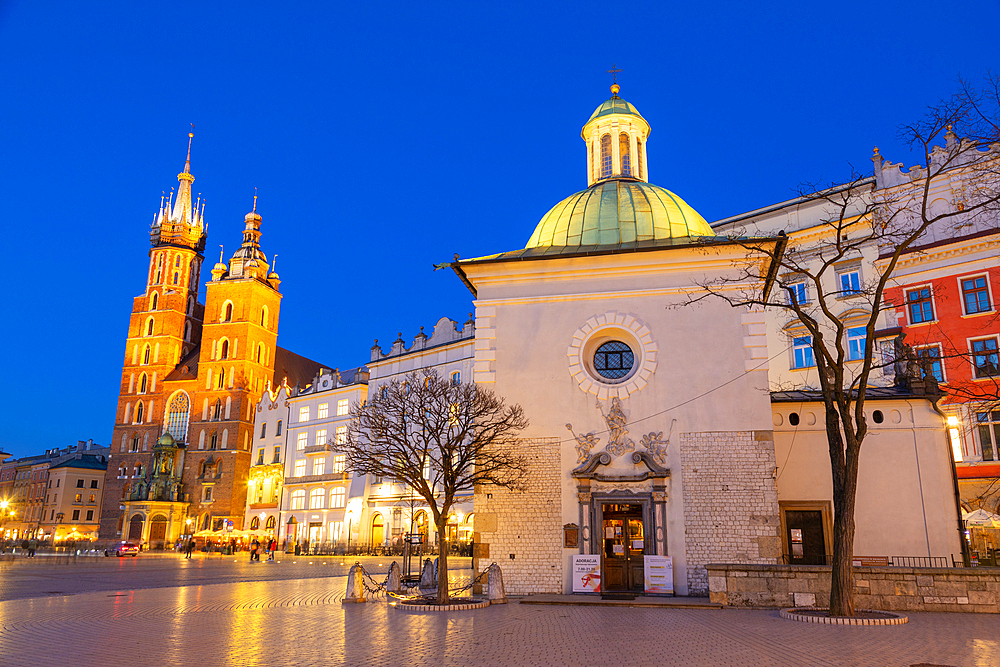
(183, 210)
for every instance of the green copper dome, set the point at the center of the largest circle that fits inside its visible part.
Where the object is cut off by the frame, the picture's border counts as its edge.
(615, 105)
(618, 211)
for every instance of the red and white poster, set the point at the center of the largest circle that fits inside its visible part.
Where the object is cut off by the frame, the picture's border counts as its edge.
(587, 573)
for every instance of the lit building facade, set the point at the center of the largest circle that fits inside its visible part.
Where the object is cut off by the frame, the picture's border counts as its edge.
(391, 509)
(320, 499)
(181, 447)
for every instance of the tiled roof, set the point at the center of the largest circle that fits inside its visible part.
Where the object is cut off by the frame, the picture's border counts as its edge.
(298, 370)
(86, 461)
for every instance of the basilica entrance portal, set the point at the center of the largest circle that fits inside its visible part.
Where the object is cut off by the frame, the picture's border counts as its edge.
(624, 547)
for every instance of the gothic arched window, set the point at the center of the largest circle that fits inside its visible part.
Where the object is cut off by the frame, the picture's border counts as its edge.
(222, 378)
(138, 413)
(213, 443)
(145, 356)
(224, 349)
(177, 416)
(217, 411)
(152, 301)
(142, 383)
(623, 151)
(227, 315)
(263, 317)
(271, 523)
(176, 277)
(606, 156)
(187, 331)
(255, 523)
(149, 327)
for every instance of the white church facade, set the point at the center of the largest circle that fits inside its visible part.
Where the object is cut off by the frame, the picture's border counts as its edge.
(653, 428)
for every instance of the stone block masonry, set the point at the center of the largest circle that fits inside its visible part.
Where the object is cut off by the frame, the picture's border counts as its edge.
(975, 589)
(730, 501)
(522, 530)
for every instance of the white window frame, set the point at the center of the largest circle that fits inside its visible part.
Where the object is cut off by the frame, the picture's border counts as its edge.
(807, 347)
(906, 304)
(321, 436)
(304, 413)
(319, 465)
(323, 411)
(989, 294)
(317, 499)
(339, 464)
(800, 293)
(972, 355)
(840, 281)
(298, 499)
(343, 407)
(341, 435)
(853, 338)
(300, 468)
(940, 360)
(338, 497)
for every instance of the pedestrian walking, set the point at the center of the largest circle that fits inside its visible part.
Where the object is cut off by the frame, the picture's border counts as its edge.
(254, 550)
(32, 545)
(272, 546)
(189, 547)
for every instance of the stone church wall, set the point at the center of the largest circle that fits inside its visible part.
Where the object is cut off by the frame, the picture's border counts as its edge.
(521, 531)
(730, 501)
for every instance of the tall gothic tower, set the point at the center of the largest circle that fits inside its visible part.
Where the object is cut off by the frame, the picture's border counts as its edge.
(165, 325)
(235, 364)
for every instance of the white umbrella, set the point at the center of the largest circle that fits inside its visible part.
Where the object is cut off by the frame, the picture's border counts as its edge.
(981, 518)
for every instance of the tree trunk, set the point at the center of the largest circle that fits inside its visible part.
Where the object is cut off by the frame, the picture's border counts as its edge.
(844, 464)
(442, 529)
(842, 576)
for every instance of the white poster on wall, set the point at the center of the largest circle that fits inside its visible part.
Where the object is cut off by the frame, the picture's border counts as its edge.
(586, 573)
(659, 574)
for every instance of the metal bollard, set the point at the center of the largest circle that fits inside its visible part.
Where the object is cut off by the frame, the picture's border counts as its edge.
(395, 581)
(495, 592)
(355, 585)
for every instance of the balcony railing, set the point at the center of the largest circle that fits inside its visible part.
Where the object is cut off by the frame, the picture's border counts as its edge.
(309, 479)
(316, 449)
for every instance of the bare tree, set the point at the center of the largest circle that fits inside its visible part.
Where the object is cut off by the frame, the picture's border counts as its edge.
(440, 439)
(861, 218)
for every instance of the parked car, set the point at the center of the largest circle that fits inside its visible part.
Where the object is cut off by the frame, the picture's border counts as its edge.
(123, 549)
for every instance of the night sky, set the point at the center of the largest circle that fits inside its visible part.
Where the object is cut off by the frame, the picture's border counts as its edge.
(384, 138)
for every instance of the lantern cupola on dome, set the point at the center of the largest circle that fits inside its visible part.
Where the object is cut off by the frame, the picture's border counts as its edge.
(620, 205)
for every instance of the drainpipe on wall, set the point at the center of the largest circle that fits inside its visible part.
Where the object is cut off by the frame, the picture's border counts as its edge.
(966, 557)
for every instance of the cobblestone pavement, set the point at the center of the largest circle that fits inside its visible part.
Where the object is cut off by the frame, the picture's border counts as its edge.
(302, 622)
(46, 576)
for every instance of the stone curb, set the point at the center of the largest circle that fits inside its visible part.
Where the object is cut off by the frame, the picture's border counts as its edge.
(433, 607)
(895, 619)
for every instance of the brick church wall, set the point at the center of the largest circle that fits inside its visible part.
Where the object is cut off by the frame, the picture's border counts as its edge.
(522, 530)
(730, 501)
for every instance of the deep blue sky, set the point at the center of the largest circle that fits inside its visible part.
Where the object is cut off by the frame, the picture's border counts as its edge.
(386, 137)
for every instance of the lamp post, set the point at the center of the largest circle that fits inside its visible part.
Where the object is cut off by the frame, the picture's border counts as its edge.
(350, 514)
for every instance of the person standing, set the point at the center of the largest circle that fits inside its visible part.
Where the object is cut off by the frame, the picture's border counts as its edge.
(254, 547)
(32, 545)
(189, 547)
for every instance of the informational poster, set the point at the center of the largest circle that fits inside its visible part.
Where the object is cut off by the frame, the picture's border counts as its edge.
(587, 573)
(659, 574)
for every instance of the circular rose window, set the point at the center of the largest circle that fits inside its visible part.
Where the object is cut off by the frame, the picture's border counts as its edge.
(614, 360)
